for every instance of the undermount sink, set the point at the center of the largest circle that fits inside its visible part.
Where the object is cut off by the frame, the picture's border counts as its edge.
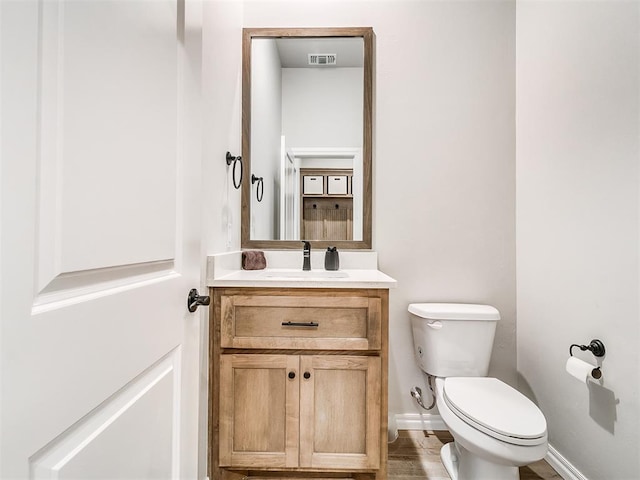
(301, 274)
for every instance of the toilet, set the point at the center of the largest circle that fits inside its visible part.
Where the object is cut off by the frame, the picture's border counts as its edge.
(495, 428)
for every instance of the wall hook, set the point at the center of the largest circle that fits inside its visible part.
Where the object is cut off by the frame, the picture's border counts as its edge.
(259, 188)
(236, 161)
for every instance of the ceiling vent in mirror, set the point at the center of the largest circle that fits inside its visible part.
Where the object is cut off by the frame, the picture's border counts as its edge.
(322, 59)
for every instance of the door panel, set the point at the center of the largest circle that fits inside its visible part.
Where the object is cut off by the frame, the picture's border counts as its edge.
(134, 425)
(97, 252)
(106, 165)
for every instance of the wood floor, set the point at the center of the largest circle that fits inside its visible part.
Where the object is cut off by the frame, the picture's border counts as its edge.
(416, 455)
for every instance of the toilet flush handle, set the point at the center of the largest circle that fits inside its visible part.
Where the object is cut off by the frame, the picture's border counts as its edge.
(436, 325)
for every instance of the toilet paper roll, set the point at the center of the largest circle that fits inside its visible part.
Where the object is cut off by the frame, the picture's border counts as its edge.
(581, 370)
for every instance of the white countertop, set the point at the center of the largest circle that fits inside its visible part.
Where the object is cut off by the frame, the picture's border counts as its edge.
(288, 278)
(223, 270)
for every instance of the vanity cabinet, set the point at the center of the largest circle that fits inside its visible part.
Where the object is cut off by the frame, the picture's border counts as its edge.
(298, 382)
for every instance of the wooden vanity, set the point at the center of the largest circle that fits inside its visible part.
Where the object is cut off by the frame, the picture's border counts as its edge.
(298, 382)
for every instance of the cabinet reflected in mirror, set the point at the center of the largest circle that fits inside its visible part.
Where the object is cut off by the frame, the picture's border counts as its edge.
(307, 133)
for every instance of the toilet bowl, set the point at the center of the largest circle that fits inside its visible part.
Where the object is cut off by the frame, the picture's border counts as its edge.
(495, 428)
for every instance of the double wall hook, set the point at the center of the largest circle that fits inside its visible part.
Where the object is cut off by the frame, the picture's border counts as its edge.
(236, 161)
(259, 188)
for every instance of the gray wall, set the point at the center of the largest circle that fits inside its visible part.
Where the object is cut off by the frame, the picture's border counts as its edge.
(577, 224)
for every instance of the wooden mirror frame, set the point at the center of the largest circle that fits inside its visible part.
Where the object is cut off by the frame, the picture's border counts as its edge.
(366, 33)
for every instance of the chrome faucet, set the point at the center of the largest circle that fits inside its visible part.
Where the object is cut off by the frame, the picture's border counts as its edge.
(306, 256)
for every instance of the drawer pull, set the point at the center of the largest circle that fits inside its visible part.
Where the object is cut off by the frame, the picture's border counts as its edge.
(292, 375)
(307, 375)
(300, 324)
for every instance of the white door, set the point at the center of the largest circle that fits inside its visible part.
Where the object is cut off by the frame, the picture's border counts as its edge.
(100, 242)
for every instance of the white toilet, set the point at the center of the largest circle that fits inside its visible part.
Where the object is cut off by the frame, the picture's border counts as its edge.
(495, 428)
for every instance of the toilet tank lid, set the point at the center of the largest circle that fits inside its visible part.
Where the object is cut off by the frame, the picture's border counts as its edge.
(454, 311)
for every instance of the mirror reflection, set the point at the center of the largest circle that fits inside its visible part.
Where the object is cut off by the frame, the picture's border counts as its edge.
(306, 139)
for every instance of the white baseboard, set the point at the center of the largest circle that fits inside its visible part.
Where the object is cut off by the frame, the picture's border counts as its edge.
(430, 421)
(561, 465)
(419, 421)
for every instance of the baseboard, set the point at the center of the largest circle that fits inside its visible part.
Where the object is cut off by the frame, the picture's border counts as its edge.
(419, 421)
(561, 465)
(430, 421)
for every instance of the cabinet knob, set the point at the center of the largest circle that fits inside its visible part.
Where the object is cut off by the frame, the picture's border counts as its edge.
(292, 375)
(307, 375)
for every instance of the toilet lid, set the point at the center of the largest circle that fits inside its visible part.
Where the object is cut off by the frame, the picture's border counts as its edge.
(496, 409)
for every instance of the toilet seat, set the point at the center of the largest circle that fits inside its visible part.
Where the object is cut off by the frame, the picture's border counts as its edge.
(496, 409)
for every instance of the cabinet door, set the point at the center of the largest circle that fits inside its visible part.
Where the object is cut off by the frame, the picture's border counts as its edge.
(259, 410)
(340, 412)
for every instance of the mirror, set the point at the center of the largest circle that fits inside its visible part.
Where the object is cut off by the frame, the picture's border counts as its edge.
(307, 137)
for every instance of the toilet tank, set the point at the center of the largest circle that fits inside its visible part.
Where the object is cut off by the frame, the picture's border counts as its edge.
(453, 339)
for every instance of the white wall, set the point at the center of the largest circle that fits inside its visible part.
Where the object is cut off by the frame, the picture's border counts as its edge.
(444, 214)
(577, 224)
(221, 126)
(221, 132)
(444, 169)
(266, 132)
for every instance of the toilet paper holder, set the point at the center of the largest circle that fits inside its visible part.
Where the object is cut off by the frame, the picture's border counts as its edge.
(597, 348)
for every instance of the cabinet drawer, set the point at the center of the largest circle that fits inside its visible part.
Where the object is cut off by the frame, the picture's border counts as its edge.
(337, 185)
(313, 184)
(300, 322)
